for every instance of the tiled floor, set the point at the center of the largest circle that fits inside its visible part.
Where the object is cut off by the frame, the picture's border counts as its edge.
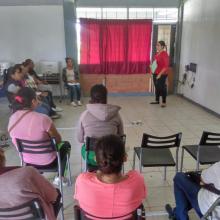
(179, 116)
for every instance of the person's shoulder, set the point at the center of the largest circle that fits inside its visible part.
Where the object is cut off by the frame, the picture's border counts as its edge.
(83, 115)
(135, 175)
(164, 53)
(85, 177)
(40, 116)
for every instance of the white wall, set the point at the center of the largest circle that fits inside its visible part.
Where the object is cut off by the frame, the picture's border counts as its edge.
(201, 45)
(35, 32)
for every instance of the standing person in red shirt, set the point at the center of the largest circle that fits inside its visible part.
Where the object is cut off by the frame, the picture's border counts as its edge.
(159, 70)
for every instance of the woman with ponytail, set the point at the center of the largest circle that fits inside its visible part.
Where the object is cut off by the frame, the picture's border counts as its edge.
(27, 124)
(159, 69)
(108, 192)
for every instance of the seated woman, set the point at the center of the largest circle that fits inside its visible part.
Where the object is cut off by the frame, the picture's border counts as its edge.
(71, 80)
(38, 127)
(99, 119)
(17, 191)
(15, 82)
(109, 193)
(197, 192)
(45, 96)
(32, 82)
(42, 84)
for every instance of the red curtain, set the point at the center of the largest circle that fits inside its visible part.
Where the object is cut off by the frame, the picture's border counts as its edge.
(115, 46)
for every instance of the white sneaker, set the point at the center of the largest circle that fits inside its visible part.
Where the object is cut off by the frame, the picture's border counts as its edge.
(56, 181)
(79, 103)
(73, 104)
(57, 109)
(55, 116)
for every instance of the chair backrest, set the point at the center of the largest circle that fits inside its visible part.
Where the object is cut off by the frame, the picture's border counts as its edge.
(31, 210)
(137, 214)
(36, 147)
(91, 142)
(210, 138)
(150, 141)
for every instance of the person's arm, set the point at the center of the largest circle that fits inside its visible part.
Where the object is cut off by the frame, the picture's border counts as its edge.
(54, 133)
(76, 76)
(43, 187)
(12, 88)
(80, 129)
(165, 63)
(209, 175)
(64, 76)
(120, 126)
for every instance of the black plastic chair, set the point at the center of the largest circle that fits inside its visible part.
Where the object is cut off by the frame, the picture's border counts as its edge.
(155, 151)
(43, 147)
(206, 152)
(90, 146)
(138, 214)
(31, 210)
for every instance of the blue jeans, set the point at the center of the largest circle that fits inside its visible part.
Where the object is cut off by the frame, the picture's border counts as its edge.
(74, 92)
(186, 196)
(44, 109)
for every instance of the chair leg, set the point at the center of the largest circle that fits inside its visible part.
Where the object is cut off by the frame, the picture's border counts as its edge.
(181, 164)
(165, 173)
(69, 170)
(140, 165)
(61, 191)
(134, 160)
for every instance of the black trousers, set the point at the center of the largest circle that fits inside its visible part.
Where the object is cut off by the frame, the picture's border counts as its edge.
(160, 87)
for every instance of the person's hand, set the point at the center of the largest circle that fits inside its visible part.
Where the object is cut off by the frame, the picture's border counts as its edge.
(158, 77)
(72, 81)
(44, 94)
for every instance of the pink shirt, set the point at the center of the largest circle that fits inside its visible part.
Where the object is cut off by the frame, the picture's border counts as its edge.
(109, 200)
(34, 127)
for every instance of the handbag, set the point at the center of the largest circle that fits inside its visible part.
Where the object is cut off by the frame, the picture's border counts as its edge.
(195, 176)
(13, 126)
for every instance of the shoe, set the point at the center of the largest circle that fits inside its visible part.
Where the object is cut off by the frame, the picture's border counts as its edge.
(163, 105)
(73, 104)
(79, 103)
(153, 103)
(55, 116)
(169, 210)
(56, 181)
(57, 109)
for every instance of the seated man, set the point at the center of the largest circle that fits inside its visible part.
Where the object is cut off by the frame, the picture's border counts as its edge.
(108, 192)
(194, 194)
(99, 119)
(20, 185)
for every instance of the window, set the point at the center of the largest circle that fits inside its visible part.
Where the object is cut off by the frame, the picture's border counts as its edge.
(140, 13)
(89, 13)
(114, 13)
(162, 15)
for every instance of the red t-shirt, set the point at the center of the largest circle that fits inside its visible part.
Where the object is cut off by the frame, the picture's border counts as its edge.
(162, 59)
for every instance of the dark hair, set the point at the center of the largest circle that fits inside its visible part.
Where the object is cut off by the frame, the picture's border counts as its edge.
(110, 154)
(68, 58)
(162, 43)
(27, 62)
(98, 94)
(12, 70)
(23, 99)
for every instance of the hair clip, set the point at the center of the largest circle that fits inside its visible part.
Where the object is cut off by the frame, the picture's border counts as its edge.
(19, 99)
